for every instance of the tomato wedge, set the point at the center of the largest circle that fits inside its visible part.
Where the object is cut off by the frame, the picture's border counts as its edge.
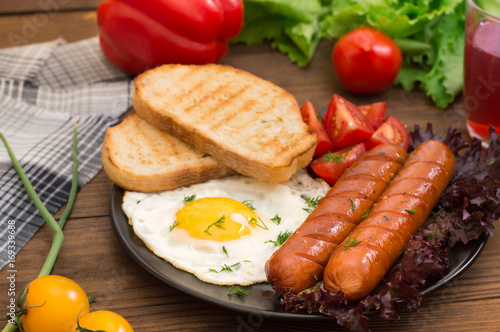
(331, 166)
(345, 124)
(312, 117)
(392, 131)
(375, 113)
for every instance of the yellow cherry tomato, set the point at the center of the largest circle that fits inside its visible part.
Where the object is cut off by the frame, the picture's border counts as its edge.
(103, 320)
(55, 303)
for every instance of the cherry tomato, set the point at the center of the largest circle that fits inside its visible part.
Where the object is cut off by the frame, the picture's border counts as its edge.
(57, 301)
(392, 131)
(103, 320)
(331, 166)
(312, 117)
(366, 61)
(345, 124)
(375, 113)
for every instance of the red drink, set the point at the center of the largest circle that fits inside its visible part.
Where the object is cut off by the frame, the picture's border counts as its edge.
(482, 77)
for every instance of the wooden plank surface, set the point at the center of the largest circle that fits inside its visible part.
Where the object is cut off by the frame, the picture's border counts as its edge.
(93, 257)
(46, 6)
(22, 29)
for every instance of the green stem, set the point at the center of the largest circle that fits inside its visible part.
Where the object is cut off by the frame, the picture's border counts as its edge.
(74, 182)
(31, 191)
(58, 238)
(412, 47)
(57, 242)
(9, 328)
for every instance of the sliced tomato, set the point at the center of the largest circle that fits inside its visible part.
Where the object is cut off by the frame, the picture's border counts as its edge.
(312, 117)
(375, 113)
(345, 124)
(392, 131)
(332, 165)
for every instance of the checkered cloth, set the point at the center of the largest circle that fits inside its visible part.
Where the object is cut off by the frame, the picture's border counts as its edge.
(45, 89)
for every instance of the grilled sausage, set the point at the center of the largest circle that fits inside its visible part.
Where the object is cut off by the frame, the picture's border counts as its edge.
(300, 261)
(357, 268)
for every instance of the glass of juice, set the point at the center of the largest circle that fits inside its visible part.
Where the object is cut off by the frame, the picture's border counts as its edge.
(482, 67)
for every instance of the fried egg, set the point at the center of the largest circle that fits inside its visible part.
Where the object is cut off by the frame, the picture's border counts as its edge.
(222, 231)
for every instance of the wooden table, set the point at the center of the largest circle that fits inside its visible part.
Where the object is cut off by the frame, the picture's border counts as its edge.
(92, 256)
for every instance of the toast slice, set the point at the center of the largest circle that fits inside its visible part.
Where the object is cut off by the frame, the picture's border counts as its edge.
(247, 123)
(137, 156)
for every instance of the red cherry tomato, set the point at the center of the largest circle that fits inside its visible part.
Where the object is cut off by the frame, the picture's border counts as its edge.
(312, 117)
(392, 131)
(345, 124)
(331, 166)
(374, 112)
(366, 61)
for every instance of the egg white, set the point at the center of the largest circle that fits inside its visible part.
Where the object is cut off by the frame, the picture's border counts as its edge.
(240, 261)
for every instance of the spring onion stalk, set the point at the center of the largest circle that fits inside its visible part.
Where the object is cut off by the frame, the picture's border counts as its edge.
(55, 226)
(74, 181)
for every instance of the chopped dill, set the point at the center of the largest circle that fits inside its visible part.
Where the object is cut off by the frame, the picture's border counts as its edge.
(353, 205)
(365, 214)
(338, 158)
(228, 268)
(350, 243)
(312, 203)
(276, 219)
(256, 223)
(249, 203)
(282, 237)
(235, 290)
(188, 199)
(218, 224)
(176, 223)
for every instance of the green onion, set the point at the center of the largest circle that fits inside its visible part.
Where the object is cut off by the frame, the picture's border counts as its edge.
(74, 181)
(56, 227)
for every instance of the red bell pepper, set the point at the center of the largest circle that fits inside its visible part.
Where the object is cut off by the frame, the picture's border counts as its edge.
(139, 35)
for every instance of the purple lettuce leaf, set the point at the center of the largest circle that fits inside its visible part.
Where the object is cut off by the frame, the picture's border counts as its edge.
(471, 201)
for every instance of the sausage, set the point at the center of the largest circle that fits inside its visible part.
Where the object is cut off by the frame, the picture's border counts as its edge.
(299, 262)
(376, 243)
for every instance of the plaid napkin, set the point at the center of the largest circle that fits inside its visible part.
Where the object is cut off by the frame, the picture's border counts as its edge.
(45, 89)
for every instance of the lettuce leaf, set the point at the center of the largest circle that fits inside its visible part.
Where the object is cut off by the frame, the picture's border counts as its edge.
(471, 202)
(397, 18)
(429, 33)
(292, 26)
(438, 70)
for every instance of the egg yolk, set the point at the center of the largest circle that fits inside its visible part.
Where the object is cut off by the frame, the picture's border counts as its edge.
(216, 219)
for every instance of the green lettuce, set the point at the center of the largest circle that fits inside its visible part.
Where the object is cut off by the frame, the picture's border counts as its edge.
(292, 26)
(397, 18)
(429, 33)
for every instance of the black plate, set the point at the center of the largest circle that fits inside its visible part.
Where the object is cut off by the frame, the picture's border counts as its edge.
(261, 299)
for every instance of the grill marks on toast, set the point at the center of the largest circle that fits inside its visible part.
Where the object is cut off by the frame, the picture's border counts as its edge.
(247, 123)
(137, 156)
(233, 108)
(220, 100)
(223, 108)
